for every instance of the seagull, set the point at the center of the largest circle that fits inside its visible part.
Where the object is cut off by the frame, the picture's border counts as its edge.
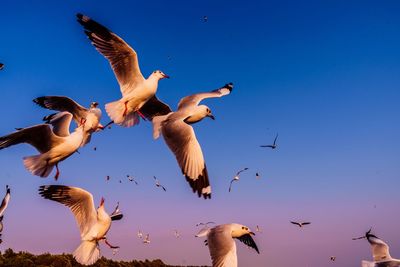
(181, 139)
(258, 229)
(205, 18)
(93, 224)
(300, 224)
(139, 234)
(108, 177)
(6, 200)
(1, 225)
(380, 252)
(88, 117)
(116, 214)
(158, 184)
(1, 66)
(146, 239)
(54, 144)
(333, 258)
(135, 89)
(236, 177)
(205, 224)
(274, 145)
(176, 234)
(132, 179)
(220, 241)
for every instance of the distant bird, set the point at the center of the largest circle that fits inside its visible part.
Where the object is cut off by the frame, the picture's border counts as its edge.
(139, 234)
(132, 179)
(258, 175)
(108, 177)
(146, 239)
(6, 200)
(258, 229)
(220, 241)
(205, 18)
(333, 258)
(54, 144)
(380, 252)
(158, 184)
(176, 234)
(181, 139)
(300, 224)
(236, 178)
(1, 66)
(116, 214)
(95, 148)
(89, 118)
(205, 224)
(274, 145)
(93, 225)
(136, 90)
(120, 181)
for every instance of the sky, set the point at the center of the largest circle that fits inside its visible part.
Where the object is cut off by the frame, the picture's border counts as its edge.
(322, 74)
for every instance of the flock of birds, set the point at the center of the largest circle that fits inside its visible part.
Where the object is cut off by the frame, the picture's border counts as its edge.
(138, 101)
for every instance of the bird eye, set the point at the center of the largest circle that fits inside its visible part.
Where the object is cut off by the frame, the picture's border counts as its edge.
(242, 227)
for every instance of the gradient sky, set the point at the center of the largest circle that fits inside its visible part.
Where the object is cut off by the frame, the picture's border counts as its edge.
(324, 74)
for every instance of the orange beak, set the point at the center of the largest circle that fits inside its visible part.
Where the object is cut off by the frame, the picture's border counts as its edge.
(166, 76)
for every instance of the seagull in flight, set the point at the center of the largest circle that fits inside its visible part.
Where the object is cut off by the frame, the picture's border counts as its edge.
(176, 234)
(135, 89)
(380, 252)
(300, 224)
(89, 118)
(146, 239)
(1, 66)
(158, 184)
(333, 258)
(140, 234)
(258, 229)
(205, 18)
(54, 144)
(3, 206)
(116, 214)
(131, 179)
(180, 136)
(205, 224)
(93, 224)
(236, 178)
(222, 246)
(274, 145)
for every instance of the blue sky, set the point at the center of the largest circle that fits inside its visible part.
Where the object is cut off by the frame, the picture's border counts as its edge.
(324, 74)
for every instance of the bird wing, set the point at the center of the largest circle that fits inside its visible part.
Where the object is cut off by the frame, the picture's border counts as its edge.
(230, 185)
(266, 146)
(380, 250)
(249, 241)
(60, 122)
(123, 59)
(196, 98)
(181, 139)
(5, 201)
(295, 223)
(78, 200)
(276, 137)
(222, 247)
(63, 103)
(239, 172)
(305, 223)
(154, 107)
(40, 136)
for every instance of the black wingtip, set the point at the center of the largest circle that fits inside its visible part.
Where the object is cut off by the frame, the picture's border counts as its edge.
(229, 86)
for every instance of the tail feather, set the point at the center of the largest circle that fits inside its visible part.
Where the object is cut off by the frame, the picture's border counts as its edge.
(115, 111)
(38, 166)
(367, 264)
(87, 253)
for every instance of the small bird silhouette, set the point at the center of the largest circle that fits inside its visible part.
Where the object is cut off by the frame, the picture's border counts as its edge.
(158, 184)
(236, 178)
(274, 145)
(300, 224)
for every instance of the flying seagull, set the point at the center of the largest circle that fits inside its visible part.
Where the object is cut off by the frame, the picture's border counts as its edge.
(258, 229)
(380, 252)
(205, 224)
(181, 139)
(205, 18)
(88, 117)
(132, 179)
(158, 184)
(93, 224)
(1, 66)
(54, 144)
(139, 234)
(6, 200)
(135, 89)
(236, 178)
(176, 234)
(221, 244)
(116, 214)
(274, 145)
(258, 175)
(300, 224)
(146, 239)
(333, 258)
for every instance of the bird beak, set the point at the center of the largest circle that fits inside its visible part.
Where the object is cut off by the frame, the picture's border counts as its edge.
(211, 116)
(252, 233)
(166, 76)
(102, 201)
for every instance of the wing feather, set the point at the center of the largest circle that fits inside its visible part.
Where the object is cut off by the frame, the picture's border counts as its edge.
(196, 98)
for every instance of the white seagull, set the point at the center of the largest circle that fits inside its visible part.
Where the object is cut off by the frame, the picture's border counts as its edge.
(236, 178)
(146, 239)
(4, 205)
(139, 234)
(54, 144)
(158, 184)
(135, 89)
(380, 252)
(300, 224)
(93, 224)
(88, 117)
(274, 145)
(220, 241)
(181, 139)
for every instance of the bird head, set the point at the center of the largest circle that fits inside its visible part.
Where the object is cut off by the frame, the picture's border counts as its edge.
(239, 230)
(206, 111)
(159, 75)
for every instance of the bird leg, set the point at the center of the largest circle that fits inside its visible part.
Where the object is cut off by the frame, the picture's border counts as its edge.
(108, 244)
(57, 173)
(82, 122)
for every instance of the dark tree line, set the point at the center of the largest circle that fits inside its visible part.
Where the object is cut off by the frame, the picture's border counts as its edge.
(25, 259)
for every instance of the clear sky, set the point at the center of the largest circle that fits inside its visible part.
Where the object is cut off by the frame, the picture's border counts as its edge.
(324, 74)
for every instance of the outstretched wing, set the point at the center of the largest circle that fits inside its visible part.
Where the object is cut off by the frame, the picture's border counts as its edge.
(60, 122)
(249, 241)
(196, 98)
(40, 136)
(181, 139)
(123, 59)
(380, 250)
(63, 103)
(78, 200)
